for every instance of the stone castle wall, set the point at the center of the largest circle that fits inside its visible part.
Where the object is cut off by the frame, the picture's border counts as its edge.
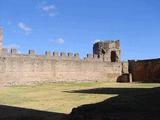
(145, 70)
(31, 68)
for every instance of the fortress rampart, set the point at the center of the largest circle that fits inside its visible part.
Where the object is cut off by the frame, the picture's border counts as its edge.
(32, 68)
(103, 65)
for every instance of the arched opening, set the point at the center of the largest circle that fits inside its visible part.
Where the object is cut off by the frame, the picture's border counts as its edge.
(113, 56)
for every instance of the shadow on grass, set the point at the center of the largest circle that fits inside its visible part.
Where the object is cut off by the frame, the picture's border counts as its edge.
(16, 113)
(129, 104)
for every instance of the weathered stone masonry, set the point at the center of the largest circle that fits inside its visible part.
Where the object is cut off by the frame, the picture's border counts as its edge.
(145, 70)
(53, 67)
(103, 65)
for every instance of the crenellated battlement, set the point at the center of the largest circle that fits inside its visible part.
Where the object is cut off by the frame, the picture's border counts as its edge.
(47, 54)
(54, 55)
(103, 51)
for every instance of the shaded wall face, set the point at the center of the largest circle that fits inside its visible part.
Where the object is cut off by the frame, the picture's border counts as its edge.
(100, 48)
(145, 71)
(26, 70)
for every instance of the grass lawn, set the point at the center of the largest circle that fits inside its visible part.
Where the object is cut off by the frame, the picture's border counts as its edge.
(56, 97)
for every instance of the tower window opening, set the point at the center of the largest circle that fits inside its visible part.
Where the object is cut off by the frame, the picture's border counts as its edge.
(113, 56)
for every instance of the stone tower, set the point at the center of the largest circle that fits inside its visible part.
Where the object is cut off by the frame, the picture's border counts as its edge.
(109, 50)
(1, 37)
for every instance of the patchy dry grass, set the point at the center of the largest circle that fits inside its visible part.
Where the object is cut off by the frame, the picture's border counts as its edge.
(56, 97)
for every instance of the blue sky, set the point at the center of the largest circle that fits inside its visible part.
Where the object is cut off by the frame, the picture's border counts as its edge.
(74, 25)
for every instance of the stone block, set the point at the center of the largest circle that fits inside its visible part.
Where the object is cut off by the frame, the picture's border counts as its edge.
(55, 54)
(70, 55)
(63, 54)
(31, 52)
(76, 56)
(89, 56)
(13, 51)
(47, 53)
(95, 56)
(4, 51)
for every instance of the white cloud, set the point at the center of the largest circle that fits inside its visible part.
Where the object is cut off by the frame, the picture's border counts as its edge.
(97, 40)
(49, 9)
(57, 41)
(25, 28)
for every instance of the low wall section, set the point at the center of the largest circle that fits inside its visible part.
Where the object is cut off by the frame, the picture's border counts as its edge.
(145, 70)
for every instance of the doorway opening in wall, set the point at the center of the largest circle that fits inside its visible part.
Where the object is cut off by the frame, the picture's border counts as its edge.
(113, 56)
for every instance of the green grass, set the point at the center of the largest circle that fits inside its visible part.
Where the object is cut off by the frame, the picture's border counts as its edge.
(54, 97)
